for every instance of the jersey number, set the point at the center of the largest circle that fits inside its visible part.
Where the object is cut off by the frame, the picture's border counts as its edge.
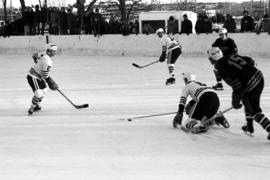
(237, 61)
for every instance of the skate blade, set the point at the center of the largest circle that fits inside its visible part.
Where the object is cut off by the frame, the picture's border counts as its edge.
(184, 129)
(168, 84)
(248, 133)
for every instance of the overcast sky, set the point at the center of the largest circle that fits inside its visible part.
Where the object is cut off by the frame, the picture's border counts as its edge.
(16, 3)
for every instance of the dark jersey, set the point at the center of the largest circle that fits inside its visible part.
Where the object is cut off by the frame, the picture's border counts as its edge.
(227, 46)
(239, 72)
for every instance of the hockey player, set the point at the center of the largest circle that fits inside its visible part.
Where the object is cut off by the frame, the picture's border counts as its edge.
(38, 77)
(170, 49)
(228, 47)
(247, 83)
(202, 108)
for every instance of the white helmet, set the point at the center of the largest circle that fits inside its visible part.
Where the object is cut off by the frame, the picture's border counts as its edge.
(187, 77)
(52, 47)
(159, 30)
(223, 33)
(214, 54)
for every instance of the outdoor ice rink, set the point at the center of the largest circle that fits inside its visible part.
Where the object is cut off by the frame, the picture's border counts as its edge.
(63, 143)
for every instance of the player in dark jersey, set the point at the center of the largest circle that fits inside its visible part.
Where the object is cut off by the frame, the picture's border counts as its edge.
(228, 47)
(247, 83)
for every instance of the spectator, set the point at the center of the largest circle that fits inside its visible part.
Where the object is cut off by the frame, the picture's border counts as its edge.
(172, 25)
(136, 27)
(247, 22)
(114, 25)
(207, 26)
(63, 21)
(230, 24)
(43, 18)
(199, 26)
(147, 29)
(186, 26)
(263, 25)
(70, 22)
(37, 20)
(97, 23)
(89, 21)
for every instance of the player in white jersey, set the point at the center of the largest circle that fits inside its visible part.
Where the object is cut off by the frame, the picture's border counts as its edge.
(205, 106)
(170, 49)
(38, 76)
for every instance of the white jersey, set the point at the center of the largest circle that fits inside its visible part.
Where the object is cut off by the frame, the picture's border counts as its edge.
(41, 68)
(194, 90)
(168, 43)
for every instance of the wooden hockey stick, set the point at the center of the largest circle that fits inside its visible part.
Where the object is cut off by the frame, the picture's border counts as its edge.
(76, 106)
(140, 117)
(140, 67)
(217, 115)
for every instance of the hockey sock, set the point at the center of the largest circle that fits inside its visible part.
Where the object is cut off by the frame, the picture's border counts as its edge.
(36, 101)
(171, 69)
(263, 121)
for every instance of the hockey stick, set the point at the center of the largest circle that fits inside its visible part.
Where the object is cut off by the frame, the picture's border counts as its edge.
(140, 67)
(76, 106)
(153, 115)
(217, 115)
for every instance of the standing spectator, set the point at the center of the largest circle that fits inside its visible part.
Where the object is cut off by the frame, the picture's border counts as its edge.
(172, 25)
(264, 25)
(186, 26)
(97, 23)
(63, 21)
(199, 25)
(70, 21)
(37, 20)
(247, 22)
(147, 29)
(114, 25)
(89, 21)
(207, 25)
(43, 18)
(136, 27)
(230, 24)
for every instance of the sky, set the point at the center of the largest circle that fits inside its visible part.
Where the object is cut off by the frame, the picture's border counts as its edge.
(16, 3)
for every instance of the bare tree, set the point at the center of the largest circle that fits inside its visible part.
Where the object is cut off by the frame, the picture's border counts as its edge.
(22, 4)
(5, 9)
(125, 7)
(91, 4)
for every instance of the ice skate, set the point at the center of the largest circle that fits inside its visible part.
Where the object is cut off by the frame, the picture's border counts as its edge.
(218, 87)
(221, 120)
(37, 108)
(249, 129)
(33, 109)
(170, 81)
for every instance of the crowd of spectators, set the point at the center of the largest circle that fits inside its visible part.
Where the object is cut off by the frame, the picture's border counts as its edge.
(63, 21)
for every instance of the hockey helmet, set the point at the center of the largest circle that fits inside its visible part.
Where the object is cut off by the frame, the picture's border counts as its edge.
(214, 54)
(187, 77)
(223, 33)
(159, 30)
(52, 47)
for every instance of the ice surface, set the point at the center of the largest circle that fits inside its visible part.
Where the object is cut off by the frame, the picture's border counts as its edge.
(64, 143)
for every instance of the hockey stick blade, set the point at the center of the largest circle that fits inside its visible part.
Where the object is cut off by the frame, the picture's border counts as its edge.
(81, 106)
(136, 65)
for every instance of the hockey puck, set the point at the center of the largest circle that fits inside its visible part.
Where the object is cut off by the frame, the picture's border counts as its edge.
(129, 119)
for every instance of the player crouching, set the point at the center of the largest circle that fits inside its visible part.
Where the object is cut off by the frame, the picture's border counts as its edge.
(38, 77)
(202, 109)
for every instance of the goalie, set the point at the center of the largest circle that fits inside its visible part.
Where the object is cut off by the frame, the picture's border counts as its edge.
(202, 109)
(38, 77)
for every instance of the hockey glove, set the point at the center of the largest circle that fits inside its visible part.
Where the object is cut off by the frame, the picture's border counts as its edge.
(51, 83)
(35, 57)
(162, 56)
(189, 106)
(177, 120)
(236, 98)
